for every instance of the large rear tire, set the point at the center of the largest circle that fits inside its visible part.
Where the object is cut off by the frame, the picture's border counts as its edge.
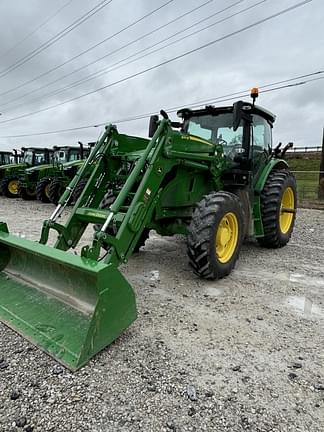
(215, 235)
(26, 194)
(278, 208)
(55, 190)
(10, 186)
(42, 190)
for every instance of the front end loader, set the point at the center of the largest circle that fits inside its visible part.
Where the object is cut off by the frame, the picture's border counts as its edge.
(212, 177)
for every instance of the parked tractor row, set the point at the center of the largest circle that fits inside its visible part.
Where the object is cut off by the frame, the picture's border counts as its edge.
(40, 173)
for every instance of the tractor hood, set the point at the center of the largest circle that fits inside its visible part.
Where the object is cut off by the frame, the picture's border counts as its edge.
(5, 167)
(71, 164)
(191, 143)
(37, 168)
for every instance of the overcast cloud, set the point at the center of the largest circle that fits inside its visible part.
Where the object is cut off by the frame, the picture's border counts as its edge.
(284, 47)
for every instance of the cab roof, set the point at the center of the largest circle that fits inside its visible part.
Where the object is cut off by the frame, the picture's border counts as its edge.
(211, 109)
(37, 149)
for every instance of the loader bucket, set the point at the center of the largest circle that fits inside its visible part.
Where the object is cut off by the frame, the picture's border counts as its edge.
(68, 306)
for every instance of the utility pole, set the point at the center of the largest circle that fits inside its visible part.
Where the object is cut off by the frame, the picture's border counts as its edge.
(321, 174)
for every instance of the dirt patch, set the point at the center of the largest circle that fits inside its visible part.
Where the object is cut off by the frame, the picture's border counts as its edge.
(243, 353)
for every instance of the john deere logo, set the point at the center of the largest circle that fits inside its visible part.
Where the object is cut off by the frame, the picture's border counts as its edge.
(194, 138)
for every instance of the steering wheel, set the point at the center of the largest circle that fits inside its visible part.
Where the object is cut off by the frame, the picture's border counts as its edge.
(233, 150)
(221, 141)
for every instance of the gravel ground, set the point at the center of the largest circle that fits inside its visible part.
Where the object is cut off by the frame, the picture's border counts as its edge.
(241, 354)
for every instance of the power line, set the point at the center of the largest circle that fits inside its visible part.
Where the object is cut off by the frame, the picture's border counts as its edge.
(88, 49)
(112, 52)
(208, 44)
(218, 99)
(36, 29)
(112, 68)
(102, 4)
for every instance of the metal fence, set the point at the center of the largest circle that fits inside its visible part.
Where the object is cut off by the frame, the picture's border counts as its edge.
(308, 187)
(317, 149)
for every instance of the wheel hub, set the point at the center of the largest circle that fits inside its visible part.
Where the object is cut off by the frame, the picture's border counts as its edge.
(227, 237)
(13, 187)
(287, 208)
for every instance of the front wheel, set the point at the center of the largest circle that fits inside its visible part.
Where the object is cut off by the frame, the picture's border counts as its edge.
(215, 235)
(42, 190)
(278, 208)
(26, 194)
(9, 186)
(55, 190)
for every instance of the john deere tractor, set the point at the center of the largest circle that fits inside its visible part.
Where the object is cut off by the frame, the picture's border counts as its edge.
(6, 158)
(65, 173)
(9, 174)
(213, 177)
(34, 182)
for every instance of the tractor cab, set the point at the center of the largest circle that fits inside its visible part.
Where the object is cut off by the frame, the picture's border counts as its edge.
(33, 156)
(66, 154)
(243, 130)
(6, 158)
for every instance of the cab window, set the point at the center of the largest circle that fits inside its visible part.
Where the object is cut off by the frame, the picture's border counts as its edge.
(261, 135)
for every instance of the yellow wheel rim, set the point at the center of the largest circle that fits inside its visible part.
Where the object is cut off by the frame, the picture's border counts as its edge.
(287, 208)
(47, 191)
(13, 187)
(227, 237)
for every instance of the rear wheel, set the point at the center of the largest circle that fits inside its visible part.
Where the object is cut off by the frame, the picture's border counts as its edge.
(9, 186)
(42, 190)
(215, 235)
(55, 190)
(26, 194)
(278, 208)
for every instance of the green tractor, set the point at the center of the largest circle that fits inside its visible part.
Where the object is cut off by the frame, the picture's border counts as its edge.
(7, 158)
(213, 177)
(34, 182)
(61, 179)
(9, 174)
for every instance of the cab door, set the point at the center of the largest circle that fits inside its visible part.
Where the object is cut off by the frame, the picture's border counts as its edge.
(261, 144)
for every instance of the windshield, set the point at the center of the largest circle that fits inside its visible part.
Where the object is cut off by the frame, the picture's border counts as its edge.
(28, 157)
(5, 159)
(218, 129)
(74, 155)
(61, 156)
(38, 159)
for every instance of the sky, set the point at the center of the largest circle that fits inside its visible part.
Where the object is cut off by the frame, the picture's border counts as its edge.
(277, 49)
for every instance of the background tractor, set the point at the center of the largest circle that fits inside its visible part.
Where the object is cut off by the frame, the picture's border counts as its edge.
(9, 174)
(61, 179)
(212, 177)
(34, 182)
(8, 157)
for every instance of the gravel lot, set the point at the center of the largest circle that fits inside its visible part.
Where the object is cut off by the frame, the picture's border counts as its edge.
(244, 353)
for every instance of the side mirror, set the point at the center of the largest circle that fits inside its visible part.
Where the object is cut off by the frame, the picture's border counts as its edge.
(237, 114)
(154, 119)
